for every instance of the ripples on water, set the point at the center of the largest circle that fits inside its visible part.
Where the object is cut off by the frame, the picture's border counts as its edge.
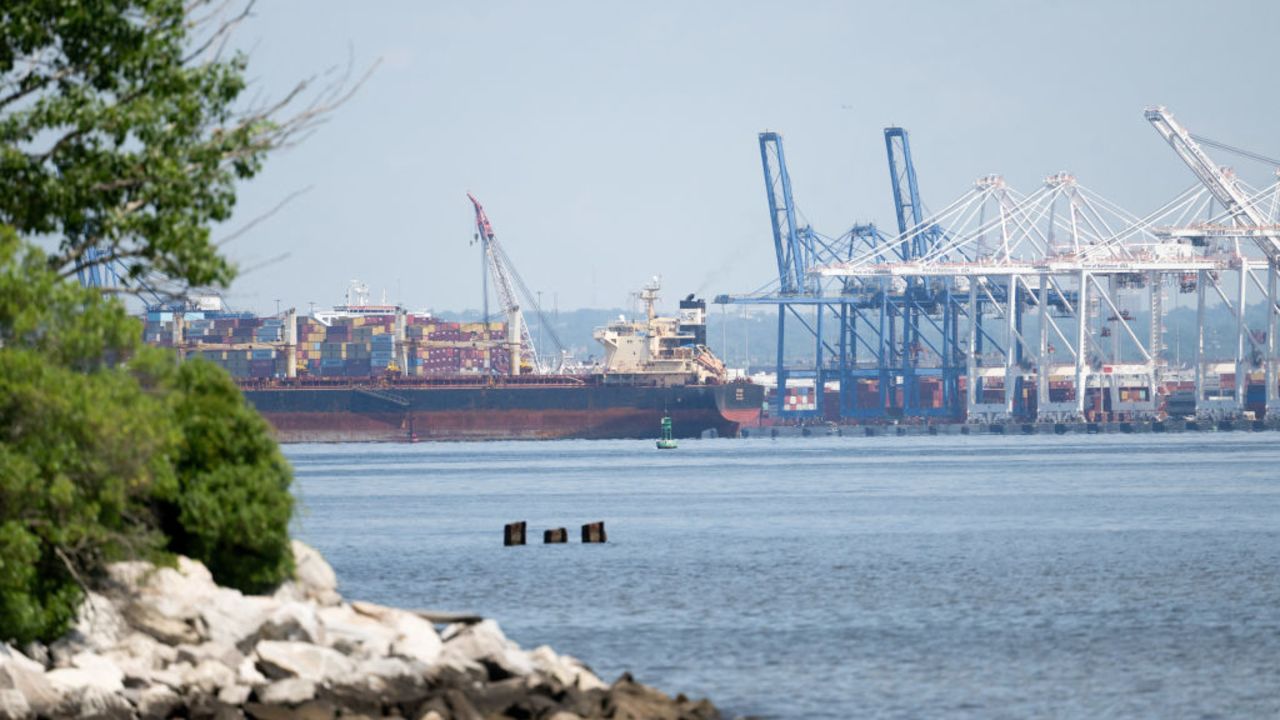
(876, 577)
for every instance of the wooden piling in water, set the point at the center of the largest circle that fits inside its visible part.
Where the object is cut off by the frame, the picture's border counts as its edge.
(594, 533)
(555, 535)
(513, 534)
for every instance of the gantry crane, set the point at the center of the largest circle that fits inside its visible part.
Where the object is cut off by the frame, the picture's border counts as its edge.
(1222, 185)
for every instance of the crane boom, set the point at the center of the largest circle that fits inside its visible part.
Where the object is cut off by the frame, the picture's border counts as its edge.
(518, 337)
(1221, 184)
(787, 241)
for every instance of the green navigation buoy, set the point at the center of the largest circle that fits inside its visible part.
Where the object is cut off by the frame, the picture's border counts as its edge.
(666, 442)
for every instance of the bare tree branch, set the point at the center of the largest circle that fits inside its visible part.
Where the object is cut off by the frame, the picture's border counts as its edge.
(264, 216)
(222, 32)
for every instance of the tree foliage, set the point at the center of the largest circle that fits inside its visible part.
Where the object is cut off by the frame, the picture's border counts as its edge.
(124, 129)
(232, 504)
(109, 449)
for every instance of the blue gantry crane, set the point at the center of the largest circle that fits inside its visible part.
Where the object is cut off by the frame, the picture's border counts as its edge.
(883, 329)
(918, 302)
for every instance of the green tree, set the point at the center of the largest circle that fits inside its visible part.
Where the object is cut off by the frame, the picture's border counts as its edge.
(232, 504)
(123, 134)
(110, 450)
(123, 131)
(83, 443)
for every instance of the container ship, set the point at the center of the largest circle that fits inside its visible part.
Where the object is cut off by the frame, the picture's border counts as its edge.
(379, 373)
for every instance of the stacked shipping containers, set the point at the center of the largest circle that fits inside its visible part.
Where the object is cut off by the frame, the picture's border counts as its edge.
(353, 347)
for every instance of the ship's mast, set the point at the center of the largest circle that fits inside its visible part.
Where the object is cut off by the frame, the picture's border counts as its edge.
(649, 296)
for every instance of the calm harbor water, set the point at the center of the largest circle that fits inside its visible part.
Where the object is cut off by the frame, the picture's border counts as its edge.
(1073, 576)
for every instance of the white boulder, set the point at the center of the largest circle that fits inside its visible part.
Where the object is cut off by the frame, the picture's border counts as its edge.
(293, 621)
(157, 701)
(247, 673)
(285, 659)
(26, 678)
(289, 691)
(565, 669)
(208, 677)
(383, 680)
(96, 703)
(313, 575)
(87, 671)
(98, 625)
(354, 633)
(483, 642)
(14, 705)
(415, 638)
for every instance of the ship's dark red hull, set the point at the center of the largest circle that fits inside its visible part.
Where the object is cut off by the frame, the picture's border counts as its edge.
(505, 411)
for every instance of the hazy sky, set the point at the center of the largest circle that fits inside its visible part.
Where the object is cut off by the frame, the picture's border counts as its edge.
(613, 141)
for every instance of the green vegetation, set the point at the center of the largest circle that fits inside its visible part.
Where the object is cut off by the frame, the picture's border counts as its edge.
(232, 505)
(109, 449)
(122, 136)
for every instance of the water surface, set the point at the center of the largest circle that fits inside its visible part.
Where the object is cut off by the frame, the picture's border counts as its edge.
(967, 576)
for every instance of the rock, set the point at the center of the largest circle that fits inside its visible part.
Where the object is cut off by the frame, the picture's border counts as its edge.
(157, 701)
(293, 621)
(98, 625)
(11, 657)
(495, 698)
(416, 638)
(313, 710)
(38, 693)
(184, 606)
(451, 704)
(161, 601)
(282, 659)
(237, 619)
(99, 704)
(247, 673)
(220, 651)
(37, 652)
(166, 629)
(173, 675)
(93, 672)
(106, 673)
(14, 705)
(138, 656)
(382, 680)
(201, 651)
(234, 695)
(566, 670)
(353, 633)
(629, 700)
(484, 643)
(290, 691)
(208, 677)
(313, 575)
(26, 677)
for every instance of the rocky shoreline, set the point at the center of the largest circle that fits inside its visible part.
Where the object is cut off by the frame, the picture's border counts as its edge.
(164, 642)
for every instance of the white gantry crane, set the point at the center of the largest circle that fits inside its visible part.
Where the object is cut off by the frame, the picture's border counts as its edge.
(1250, 222)
(1220, 183)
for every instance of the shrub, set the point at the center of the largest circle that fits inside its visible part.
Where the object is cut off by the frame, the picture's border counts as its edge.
(111, 450)
(232, 506)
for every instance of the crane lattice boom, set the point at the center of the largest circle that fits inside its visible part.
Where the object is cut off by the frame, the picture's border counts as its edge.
(1223, 185)
(499, 268)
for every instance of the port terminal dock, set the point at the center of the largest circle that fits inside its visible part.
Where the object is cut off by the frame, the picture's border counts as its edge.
(1179, 425)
